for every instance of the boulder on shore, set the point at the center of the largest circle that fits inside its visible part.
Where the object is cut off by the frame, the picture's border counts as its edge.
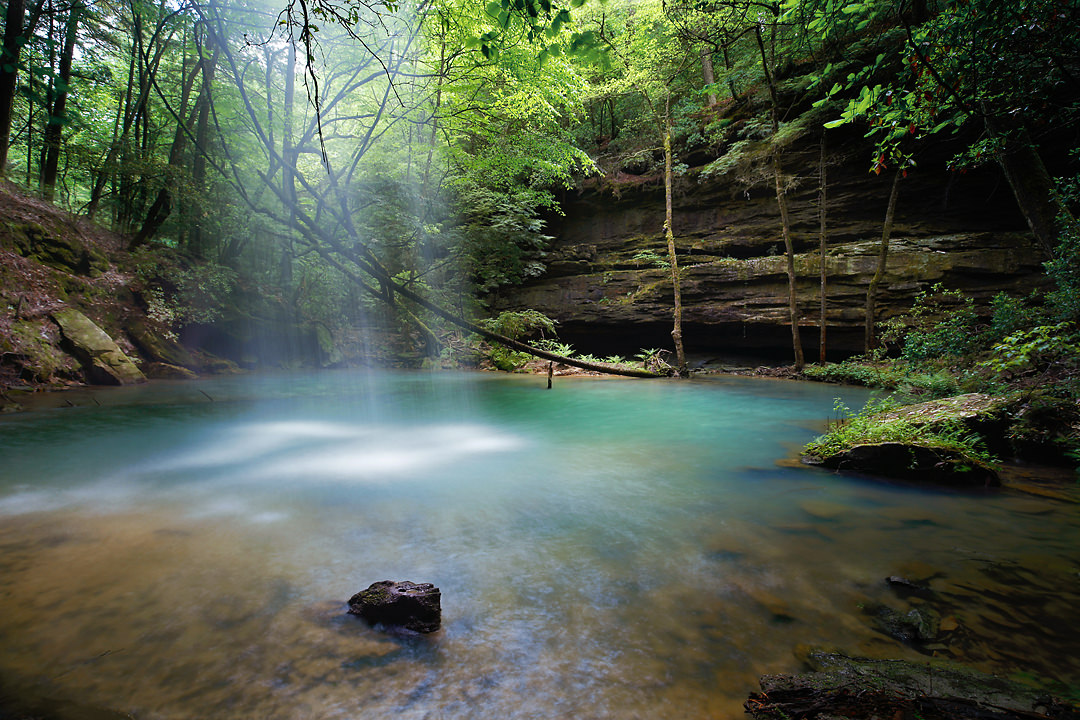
(104, 363)
(413, 606)
(916, 442)
(909, 461)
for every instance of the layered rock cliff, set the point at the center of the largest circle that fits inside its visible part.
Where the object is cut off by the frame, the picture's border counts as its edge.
(610, 294)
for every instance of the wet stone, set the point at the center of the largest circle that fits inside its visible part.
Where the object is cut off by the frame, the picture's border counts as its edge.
(413, 606)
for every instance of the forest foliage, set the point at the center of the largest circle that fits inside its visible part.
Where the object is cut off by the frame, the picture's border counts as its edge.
(344, 156)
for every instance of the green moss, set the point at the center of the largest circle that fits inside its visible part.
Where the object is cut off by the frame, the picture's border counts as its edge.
(34, 342)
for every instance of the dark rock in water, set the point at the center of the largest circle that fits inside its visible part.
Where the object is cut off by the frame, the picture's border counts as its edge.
(905, 461)
(402, 604)
(905, 587)
(919, 625)
(843, 686)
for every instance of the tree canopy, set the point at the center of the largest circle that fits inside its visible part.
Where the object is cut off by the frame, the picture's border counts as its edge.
(338, 154)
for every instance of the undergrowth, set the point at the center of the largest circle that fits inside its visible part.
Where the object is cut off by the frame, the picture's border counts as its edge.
(876, 424)
(895, 375)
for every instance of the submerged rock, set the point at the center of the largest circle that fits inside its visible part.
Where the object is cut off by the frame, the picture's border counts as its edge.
(842, 686)
(909, 461)
(413, 606)
(918, 626)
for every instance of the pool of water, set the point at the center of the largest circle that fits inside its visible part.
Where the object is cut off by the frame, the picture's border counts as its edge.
(610, 548)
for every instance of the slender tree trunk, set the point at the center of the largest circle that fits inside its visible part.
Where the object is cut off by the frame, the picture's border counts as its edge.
(669, 234)
(785, 221)
(290, 157)
(9, 72)
(197, 240)
(131, 107)
(824, 242)
(54, 129)
(709, 74)
(48, 91)
(883, 259)
(730, 79)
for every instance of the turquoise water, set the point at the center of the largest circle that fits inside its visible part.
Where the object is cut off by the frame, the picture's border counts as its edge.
(607, 549)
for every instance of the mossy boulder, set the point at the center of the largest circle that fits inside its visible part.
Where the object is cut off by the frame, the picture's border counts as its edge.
(32, 346)
(938, 442)
(104, 363)
(159, 347)
(165, 371)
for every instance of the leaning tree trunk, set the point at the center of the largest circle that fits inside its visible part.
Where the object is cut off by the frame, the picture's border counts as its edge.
(883, 259)
(1032, 187)
(669, 234)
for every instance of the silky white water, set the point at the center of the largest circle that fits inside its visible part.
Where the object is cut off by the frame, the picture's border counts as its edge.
(606, 549)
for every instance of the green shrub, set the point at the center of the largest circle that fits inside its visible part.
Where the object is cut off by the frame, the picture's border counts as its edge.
(508, 360)
(650, 257)
(519, 324)
(559, 348)
(895, 375)
(179, 290)
(1064, 269)
(942, 323)
(1010, 315)
(1036, 350)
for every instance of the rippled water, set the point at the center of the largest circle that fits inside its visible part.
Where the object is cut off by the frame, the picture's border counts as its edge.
(607, 549)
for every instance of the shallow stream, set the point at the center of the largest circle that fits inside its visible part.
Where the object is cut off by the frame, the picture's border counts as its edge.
(607, 549)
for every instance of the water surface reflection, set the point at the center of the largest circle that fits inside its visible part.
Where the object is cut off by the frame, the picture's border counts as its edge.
(608, 549)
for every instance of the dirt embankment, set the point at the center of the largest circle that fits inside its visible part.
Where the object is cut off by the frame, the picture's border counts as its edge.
(71, 306)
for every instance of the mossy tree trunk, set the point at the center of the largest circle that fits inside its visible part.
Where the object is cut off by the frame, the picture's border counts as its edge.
(669, 234)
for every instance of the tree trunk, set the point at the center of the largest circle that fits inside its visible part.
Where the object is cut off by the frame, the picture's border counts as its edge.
(54, 129)
(1032, 187)
(785, 220)
(131, 108)
(163, 203)
(883, 259)
(709, 74)
(730, 78)
(290, 157)
(197, 240)
(669, 234)
(824, 242)
(392, 287)
(9, 72)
